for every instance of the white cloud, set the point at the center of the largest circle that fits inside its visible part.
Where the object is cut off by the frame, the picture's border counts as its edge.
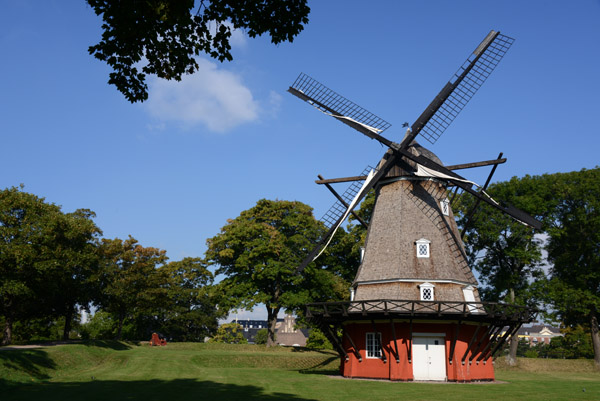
(212, 97)
(238, 38)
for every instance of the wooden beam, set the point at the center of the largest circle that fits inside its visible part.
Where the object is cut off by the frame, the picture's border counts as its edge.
(476, 164)
(343, 202)
(355, 350)
(410, 340)
(343, 179)
(322, 181)
(380, 341)
(395, 341)
(453, 345)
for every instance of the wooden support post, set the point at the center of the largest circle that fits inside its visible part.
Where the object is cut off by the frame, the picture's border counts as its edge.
(395, 340)
(335, 341)
(410, 339)
(493, 336)
(356, 352)
(380, 342)
(456, 329)
(509, 333)
(489, 333)
(471, 342)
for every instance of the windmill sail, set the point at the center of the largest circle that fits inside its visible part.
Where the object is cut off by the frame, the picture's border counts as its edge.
(338, 209)
(460, 89)
(337, 106)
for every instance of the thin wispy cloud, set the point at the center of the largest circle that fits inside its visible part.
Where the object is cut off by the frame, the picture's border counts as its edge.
(213, 97)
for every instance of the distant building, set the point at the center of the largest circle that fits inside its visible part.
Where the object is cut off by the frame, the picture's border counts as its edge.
(537, 334)
(285, 332)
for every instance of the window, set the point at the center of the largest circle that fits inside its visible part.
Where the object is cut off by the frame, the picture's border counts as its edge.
(445, 205)
(422, 248)
(373, 345)
(426, 291)
(470, 297)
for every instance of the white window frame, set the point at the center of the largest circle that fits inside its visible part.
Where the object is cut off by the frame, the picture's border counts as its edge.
(469, 294)
(373, 345)
(425, 245)
(445, 205)
(427, 288)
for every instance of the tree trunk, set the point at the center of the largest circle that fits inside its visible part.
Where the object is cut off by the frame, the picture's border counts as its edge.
(7, 337)
(68, 318)
(120, 329)
(595, 337)
(511, 358)
(271, 323)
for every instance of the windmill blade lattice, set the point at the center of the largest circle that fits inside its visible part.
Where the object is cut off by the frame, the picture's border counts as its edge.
(470, 76)
(338, 209)
(337, 106)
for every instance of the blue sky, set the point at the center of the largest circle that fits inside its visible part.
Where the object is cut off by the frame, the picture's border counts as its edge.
(172, 170)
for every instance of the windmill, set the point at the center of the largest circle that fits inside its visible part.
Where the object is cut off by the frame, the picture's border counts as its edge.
(415, 308)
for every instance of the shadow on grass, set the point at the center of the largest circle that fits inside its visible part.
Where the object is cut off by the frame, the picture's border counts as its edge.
(31, 361)
(179, 389)
(319, 369)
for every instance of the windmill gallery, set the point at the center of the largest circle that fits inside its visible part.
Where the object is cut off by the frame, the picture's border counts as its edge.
(415, 311)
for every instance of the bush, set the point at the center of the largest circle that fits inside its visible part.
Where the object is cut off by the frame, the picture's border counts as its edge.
(230, 333)
(261, 337)
(317, 340)
(101, 326)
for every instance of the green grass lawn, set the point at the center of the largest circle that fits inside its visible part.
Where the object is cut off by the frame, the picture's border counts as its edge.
(118, 371)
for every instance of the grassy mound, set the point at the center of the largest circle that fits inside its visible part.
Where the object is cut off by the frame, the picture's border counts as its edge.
(539, 365)
(98, 358)
(119, 371)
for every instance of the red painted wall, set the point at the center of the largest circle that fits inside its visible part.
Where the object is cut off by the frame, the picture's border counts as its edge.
(402, 370)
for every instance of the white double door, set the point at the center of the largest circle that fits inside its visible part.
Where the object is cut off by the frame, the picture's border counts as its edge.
(429, 358)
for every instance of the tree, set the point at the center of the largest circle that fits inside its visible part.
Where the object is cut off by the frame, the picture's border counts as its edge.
(258, 253)
(261, 337)
(131, 279)
(506, 254)
(573, 226)
(190, 314)
(73, 262)
(317, 340)
(24, 219)
(164, 36)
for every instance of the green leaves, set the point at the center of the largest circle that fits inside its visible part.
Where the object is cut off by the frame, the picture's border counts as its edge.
(46, 257)
(164, 36)
(259, 251)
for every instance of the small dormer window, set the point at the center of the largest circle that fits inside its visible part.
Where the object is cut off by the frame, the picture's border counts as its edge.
(445, 205)
(422, 248)
(426, 291)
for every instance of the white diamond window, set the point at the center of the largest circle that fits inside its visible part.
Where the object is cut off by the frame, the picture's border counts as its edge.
(422, 248)
(445, 205)
(426, 291)
(373, 345)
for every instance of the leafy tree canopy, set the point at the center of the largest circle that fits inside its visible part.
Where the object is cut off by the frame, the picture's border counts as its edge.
(506, 253)
(229, 333)
(46, 259)
(190, 314)
(259, 251)
(163, 37)
(573, 224)
(131, 279)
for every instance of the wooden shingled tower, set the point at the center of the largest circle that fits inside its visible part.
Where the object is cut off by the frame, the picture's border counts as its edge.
(414, 311)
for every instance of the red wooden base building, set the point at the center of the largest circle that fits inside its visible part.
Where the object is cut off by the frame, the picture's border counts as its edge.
(415, 311)
(414, 340)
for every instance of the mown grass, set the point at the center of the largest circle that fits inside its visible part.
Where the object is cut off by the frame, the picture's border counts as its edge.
(119, 371)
